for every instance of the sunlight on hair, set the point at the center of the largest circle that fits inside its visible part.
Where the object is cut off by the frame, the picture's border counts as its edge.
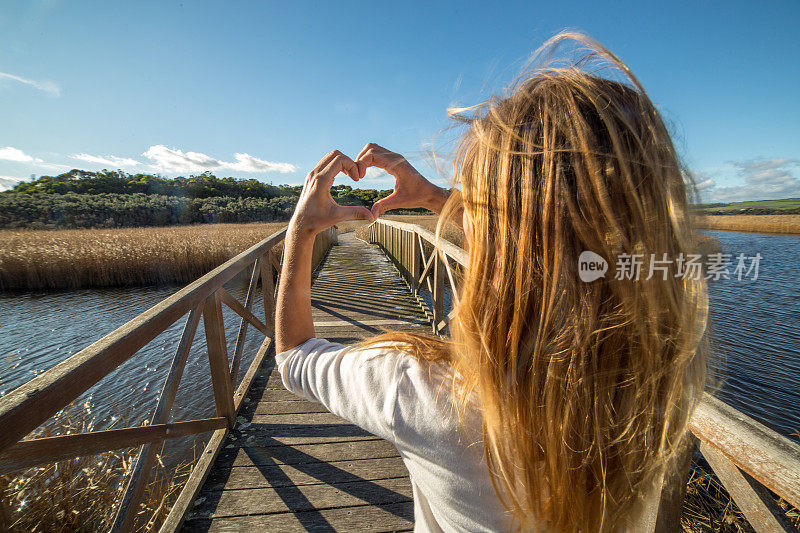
(585, 389)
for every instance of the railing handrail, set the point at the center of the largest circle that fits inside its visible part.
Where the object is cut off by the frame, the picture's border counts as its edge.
(730, 440)
(766, 455)
(452, 250)
(28, 406)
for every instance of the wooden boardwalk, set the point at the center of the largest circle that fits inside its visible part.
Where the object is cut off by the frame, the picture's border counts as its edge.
(291, 465)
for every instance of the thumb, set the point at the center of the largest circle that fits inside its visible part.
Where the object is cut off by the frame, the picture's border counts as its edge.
(356, 212)
(385, 204)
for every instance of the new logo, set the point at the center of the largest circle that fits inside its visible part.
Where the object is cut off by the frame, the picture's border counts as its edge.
(591, 266)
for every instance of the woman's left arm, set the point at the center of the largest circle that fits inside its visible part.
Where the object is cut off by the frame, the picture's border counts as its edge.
(316, 211)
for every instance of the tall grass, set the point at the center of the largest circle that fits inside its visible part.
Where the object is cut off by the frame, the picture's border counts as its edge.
(787, 224)
(60, 259)
(83, 494)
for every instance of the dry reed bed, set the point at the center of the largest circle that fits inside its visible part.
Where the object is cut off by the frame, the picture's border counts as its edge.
(788, 224)
(83, 494)
(61, 259)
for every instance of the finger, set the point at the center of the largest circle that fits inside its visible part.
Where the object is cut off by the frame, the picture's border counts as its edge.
(368, 147)
(362, 169)
(375, 158)
(324, 162)
(340, 163)
(355, 212)
(393, 201)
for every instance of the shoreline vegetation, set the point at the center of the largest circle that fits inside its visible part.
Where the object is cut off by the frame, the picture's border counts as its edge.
(78, 258)
(170, 255)
(113, 229)
(776, 224)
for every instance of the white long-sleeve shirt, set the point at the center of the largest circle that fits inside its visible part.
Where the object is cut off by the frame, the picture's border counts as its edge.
(394, 396)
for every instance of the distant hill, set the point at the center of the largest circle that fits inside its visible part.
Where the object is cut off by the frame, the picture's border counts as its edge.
(113, 199)
(786, 206)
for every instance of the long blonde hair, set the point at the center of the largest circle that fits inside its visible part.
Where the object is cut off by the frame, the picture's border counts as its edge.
(585, 388)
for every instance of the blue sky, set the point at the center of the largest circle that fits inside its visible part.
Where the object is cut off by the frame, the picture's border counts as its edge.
(264, 90)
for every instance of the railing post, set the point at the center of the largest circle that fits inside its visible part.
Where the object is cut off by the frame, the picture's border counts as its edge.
(406, 254)
(218, 358)
(268, 291)
(673, 490)
(438, 291)
(416, 267)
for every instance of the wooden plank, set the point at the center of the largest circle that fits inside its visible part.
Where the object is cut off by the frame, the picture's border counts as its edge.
(25, 408)
(28, 453)
(389, 517)
(343, 450)
(240, 310)
(301, 420)
(376, 322)
(218, 358)
(755, 507)
(279, 395)
(770, 458)
(281, 475)
(277, 408)
(302, 498)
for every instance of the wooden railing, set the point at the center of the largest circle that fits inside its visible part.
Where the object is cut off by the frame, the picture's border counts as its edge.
(25, 408)
(423, 263)
(748, 458)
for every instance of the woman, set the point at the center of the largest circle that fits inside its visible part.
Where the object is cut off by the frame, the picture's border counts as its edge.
(557, 404)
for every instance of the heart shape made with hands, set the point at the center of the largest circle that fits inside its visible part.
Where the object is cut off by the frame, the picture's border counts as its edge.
(316, 209)
(410, 190)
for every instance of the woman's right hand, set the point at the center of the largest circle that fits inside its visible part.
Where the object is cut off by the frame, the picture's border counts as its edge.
(411, 189)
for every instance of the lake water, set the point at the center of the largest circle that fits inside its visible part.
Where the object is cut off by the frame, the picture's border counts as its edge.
(756, 323)
(38, 330)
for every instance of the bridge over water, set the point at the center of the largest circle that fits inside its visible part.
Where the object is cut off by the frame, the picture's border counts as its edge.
(276, 462)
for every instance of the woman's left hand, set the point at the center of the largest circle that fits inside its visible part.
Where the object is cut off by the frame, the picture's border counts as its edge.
(316, 209)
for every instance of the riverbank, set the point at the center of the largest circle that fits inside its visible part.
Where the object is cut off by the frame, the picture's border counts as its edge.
(68, 259)
(780, 224)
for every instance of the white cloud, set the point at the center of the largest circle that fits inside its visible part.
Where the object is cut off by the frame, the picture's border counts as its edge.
(46, 86)
(175, 160)
(375, 172)
(705, 184)
(764, 179)
(248, 163)
(111, 161)
(8, 182)
(53, 166)
(9, 153)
